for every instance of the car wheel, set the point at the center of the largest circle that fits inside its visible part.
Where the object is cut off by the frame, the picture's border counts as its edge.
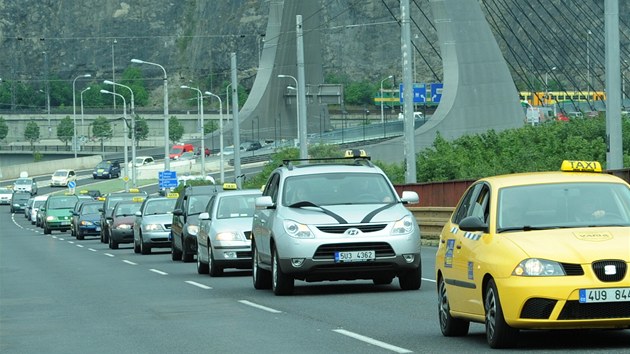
(186, 256)
(80, 235)
(136, 248)
(113, 244)
(176, 254)
(144, 248)
(72, 233)
(411, 280)
(202, 268)
(498, 333)
(214, 270)
(451, 327)
(260, 277)
(281, 284)
(46, 230)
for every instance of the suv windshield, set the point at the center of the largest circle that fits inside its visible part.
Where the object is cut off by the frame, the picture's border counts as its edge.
(336, 188)
(23, 181)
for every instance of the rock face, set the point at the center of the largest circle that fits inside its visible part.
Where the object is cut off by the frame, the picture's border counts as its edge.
(193, 39)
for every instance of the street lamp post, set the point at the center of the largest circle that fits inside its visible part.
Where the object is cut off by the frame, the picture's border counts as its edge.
(382, 113)
(221, 169)
(297, 104)
(74, 113)
(126, 156)
(588, 66)
(82, 121)
(227, 99)
(133, 130)
(167, 163)
(203, 132)
(546, 85)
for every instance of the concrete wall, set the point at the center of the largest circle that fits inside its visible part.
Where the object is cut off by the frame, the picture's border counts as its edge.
(48, 167)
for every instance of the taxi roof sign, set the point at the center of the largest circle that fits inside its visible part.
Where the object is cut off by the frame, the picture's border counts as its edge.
(356, 153)
(137, 199)
(134, 190)
(230, 186)
(580, 166)
(172, 195)
(84, 191)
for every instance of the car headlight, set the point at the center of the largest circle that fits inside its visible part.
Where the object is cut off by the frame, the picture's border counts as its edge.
(228, 236)
(192, 229)
(50, 218)
(152, 227)
(403, 226)
(86, 223)
(297, 230)
(534, 267)
(123, 227)
(16, 204)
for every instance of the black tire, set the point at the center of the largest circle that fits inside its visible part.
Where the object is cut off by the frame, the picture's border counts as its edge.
(80, 235)
(176, 254)
(46, 230)
(112, 244)
(202, 268)
(186, 256)
(451, 327)
(411, 280)
(214, 270)
(498, 333)
(72, 233)
(281, 284)
(144, 248)
(136, 248)
(260, 277)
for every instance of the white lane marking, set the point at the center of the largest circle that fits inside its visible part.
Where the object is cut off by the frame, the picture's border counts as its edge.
(158, 271)
(92, 249)
(129, 262)
(61, 238)
(109, 255)
(198, 285)
(70, 241)
(15, 222)
(372, 341)
(54, 237)
(261, 307)
(80, 246)
(431, 280)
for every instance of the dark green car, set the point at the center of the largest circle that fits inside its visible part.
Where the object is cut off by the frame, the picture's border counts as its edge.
(57, 212)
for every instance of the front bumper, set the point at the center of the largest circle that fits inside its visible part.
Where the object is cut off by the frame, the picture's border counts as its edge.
(157, 239)
(233, 256)
(58, 225)
(553, 302)
(122, 235)
(90, 230)
(58, 183)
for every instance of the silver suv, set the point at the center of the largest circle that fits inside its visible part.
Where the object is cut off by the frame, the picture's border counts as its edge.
(333, 221)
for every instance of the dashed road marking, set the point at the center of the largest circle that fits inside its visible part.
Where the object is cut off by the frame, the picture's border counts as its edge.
(260, 307)
(129, 262)
(372, 341)
(198, 285)
(109, 255)
(158, 271)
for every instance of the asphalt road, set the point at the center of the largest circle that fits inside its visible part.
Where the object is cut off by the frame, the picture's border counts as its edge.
(60, 295)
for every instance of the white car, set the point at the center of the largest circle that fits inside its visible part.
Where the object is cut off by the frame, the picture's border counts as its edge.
(5, 196)
(37, 203)
(143, 160)
(61, 178)
(25, 184)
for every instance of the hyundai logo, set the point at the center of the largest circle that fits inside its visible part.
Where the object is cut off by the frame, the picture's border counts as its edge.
(352, 232)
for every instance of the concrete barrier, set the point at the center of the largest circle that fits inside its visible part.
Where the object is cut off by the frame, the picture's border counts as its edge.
(48, 167)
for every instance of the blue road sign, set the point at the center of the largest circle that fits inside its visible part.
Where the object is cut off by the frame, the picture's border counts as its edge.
(419, 93)
(167, 179)
(72, 184)
(436, 92)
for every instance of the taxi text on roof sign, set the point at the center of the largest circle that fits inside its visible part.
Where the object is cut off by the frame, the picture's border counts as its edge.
(581, 166)
(172, 195)
(230, 186)
(355, 153)
(134, 190)
(137, 199)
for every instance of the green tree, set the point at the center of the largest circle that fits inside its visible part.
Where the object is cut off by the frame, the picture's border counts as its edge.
(31, 132)
(175, 129)
(132, 77)
(102, 129)
(142, 130)
(60, 92)
(4, 128)
(65, 130)
(359, 93)
(210, 126)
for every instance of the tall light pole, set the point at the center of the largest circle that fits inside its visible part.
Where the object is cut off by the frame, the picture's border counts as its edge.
(133, 130)
(47, 88)
(126, 156)
(297, 104)
(382, 113)
(167, 163)
(74, 113)
(82, 121)
(227, 98)
(114, 74)
(546, 85)
(203, 132)
(221, 168)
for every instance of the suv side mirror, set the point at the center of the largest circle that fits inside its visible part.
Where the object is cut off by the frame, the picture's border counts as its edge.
(178, 212)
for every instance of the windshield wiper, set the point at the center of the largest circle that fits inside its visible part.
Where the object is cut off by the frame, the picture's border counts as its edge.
(527, 228)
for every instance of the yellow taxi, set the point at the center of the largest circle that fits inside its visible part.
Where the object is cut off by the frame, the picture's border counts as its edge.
(544, 250)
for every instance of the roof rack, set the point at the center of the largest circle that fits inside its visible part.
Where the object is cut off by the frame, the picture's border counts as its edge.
(359, 156)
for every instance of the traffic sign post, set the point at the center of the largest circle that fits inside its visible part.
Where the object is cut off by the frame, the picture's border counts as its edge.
(71, 186)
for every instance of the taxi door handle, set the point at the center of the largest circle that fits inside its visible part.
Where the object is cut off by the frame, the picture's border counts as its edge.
(458, 247)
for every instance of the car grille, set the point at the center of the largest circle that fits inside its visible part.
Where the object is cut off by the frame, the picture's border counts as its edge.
(574, 310)
(572, 269)
(244, 254)
(599, 269)
(340, 229)
(538, 308)
(382, 249)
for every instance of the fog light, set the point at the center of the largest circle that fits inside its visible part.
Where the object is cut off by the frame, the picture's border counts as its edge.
(409, 258)
(297, 262)
(229, 255)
